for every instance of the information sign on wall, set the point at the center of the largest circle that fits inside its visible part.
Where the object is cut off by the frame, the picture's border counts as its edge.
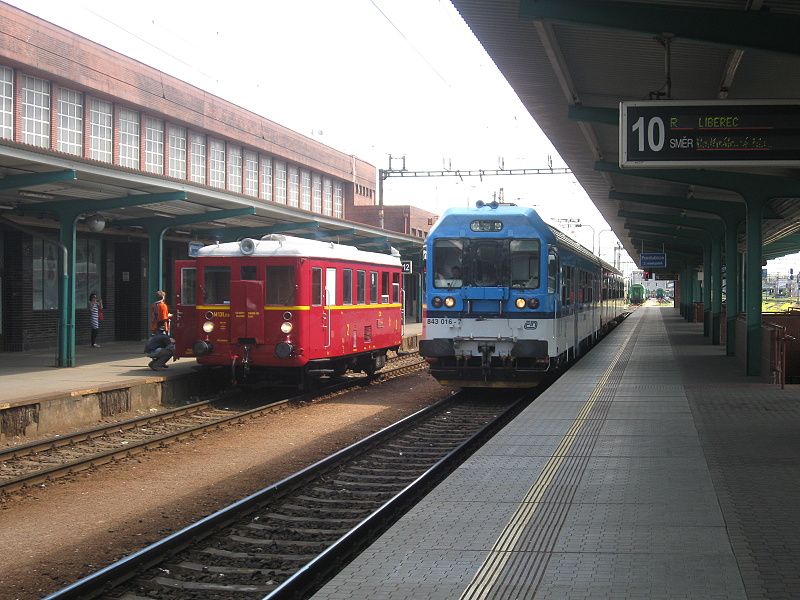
(709, 133)
(407, 266)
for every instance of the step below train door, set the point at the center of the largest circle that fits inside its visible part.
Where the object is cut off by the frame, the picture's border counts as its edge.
(184, 324)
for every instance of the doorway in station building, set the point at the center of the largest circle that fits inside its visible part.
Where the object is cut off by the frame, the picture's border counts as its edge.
(130, 320)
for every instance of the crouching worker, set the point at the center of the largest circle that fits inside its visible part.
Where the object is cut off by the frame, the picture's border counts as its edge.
(160, 348)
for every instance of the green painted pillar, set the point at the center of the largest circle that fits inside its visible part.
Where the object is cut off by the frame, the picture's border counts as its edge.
(66, 308)
(155, 261)
(755, 210)
(684, 292)
(689, 279)
(706, 288)
(731, 285)
(716, 282)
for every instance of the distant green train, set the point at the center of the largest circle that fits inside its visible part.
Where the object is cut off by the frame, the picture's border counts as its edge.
(659, 294)
(636, 294)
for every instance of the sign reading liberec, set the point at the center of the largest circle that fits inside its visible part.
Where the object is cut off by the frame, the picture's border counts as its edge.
(653, 260)
(706, 133)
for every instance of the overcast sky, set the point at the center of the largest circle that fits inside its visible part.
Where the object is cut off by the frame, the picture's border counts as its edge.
(367, 77)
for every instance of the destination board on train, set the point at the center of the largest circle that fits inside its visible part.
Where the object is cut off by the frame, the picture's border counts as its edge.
(690, 134)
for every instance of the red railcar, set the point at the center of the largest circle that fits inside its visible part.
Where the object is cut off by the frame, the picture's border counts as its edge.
(290, 308)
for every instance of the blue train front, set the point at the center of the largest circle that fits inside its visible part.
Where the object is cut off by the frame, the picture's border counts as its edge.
(509, 298)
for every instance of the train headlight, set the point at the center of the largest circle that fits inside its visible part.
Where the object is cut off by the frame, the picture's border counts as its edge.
(449, 302)
(436, 302)
(533, 303)
(208, 326)
(286, 327)
(519, 303)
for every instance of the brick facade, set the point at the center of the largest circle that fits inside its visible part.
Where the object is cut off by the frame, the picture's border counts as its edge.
(406, 219)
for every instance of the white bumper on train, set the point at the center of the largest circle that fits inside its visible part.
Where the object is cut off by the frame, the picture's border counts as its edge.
(507, 337)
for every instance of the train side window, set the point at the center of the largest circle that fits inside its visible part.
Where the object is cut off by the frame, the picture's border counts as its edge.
(188, 286)
(361, 283)
(552, 272)
(217, 285)
(316, 286)
(525, 264)
(347, 286)
(248, 273)
(280, 286)
(384, 287)
(395, 288)
(373, 287)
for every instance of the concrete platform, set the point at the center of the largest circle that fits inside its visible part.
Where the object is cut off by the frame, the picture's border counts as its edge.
(649, 470)
(37, 398)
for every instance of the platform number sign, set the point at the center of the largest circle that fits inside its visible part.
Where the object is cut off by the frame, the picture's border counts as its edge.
(407, 268)
(690, 134)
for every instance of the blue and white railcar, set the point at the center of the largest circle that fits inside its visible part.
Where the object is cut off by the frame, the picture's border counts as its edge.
(510, 298)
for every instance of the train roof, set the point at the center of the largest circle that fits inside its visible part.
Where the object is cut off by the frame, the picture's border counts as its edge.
(274, 245)
(518, 221)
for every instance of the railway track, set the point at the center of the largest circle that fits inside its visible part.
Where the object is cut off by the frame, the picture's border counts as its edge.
(285, 540)
(42, 461)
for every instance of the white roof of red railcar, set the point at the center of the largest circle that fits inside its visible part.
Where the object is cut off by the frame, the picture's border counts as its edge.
(285, 245)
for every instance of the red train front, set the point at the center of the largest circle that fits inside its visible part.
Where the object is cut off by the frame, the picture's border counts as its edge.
(291, 308)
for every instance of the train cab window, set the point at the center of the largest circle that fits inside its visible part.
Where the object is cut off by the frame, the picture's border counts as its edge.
(248, 273)
(280, 286)
(316, 286)
(188, 286)
(525, 264)
(347, 286)
(552, 272)
(361, 284)
(447, 263)
(217, 285)
(487, 261)
(384, 287)
(373, 287)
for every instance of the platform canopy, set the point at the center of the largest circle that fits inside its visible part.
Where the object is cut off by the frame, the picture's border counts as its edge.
(36, 185)
(572, 62)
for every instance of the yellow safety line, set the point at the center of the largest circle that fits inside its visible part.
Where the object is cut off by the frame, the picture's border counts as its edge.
(500, 553)
(296, 308)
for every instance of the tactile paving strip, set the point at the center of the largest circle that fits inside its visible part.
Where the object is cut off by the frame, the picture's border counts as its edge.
(518, 559)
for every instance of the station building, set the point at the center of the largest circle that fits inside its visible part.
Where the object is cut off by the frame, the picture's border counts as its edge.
(110, 169)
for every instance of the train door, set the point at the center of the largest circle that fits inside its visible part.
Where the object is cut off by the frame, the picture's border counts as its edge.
(184, 326)
(318, 330)
(330, 302)
(247, 306)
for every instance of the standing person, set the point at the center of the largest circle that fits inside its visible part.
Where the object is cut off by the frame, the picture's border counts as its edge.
(159, 313)
(95, 316)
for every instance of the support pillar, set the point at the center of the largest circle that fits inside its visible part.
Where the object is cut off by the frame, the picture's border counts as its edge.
(731, 286)
(66, 308)
(155, 260)
(716, 291)
(755, 211)
(706, 288)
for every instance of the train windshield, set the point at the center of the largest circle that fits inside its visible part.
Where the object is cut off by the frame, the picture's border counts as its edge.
(447, 263)
(487, 262)
(525, 264)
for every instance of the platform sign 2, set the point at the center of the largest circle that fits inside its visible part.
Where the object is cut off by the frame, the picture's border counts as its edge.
(653, 260)
(691, 134)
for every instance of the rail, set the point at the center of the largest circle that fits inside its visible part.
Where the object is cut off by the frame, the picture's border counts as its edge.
(370, 477)
(42, 461)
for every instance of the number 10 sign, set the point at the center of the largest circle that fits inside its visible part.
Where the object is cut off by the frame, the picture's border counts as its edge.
(718, 133)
